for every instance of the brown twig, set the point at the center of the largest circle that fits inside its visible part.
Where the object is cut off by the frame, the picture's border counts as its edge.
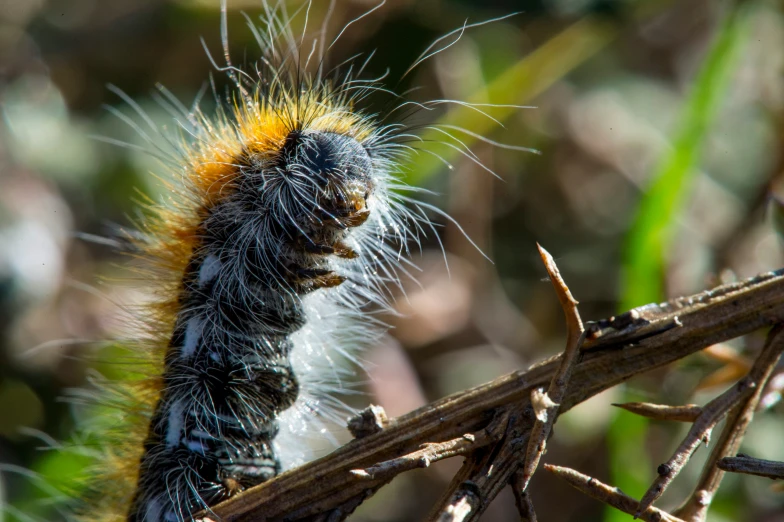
(484, 475)
(432, 452)
(609, 495)
(546, 405)
(481, 478)
(685, 413)
(696, 507)
(751, 466)
(523, 502)
(368, 421)
(614, 351)
(700, 431)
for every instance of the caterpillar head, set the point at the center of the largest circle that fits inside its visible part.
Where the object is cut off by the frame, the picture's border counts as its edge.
(317, 190)
(337, 174)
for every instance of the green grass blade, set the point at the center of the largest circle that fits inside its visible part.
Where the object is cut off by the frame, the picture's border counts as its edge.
(648, 241)
(517, 85)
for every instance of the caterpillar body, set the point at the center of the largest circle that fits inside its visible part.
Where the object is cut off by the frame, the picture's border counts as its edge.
(261, 246)
(280, 222)
(283, 195)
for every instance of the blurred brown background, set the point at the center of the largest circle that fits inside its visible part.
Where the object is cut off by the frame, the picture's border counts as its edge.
(612, 82)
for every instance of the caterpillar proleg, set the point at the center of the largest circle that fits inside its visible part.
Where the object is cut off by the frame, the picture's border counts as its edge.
(284, 216)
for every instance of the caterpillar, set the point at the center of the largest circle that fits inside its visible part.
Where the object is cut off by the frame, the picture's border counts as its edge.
(285, 214)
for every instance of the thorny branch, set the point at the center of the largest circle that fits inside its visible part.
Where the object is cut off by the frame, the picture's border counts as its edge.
(500, 415)
(685, 413)
(609, 495)
(700, 431)
(483, 476)
(432, 452)
(523, 502)
(696, 507)
(751, 466)
(546, 404)
(715, 410)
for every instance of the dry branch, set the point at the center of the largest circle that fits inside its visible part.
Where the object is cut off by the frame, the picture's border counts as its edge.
(696, 507)
(432, 452)
(614, 351)
(484, 474)
(609, 495)
(751, 466)
(546, 405)
(523, 502)
(685, 413)
(700, 431)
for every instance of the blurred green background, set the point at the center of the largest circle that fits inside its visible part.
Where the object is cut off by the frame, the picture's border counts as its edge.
(659, 126)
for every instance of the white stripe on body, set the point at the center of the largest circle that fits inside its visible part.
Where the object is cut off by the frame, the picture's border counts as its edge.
(176, 423)
(193, 332)
(152, 513)
(209, 269)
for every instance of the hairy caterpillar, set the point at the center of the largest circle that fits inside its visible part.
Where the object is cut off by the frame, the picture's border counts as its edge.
(280, 224)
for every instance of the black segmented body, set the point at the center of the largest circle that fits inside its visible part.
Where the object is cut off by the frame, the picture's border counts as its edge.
(227, 373)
